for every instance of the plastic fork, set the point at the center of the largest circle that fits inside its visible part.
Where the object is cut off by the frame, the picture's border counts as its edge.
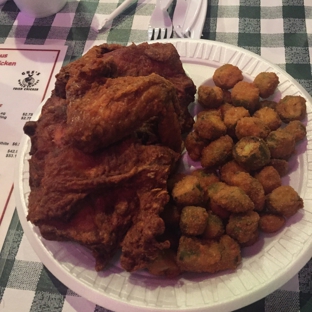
(185, 17)
(98, 25)
(160, 26)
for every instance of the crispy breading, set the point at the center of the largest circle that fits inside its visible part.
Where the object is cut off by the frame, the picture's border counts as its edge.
(208, 255)
(106, 114)
(111, 61)
(111, 195)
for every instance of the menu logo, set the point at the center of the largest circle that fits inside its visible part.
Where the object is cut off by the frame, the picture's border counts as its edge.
(29, 81)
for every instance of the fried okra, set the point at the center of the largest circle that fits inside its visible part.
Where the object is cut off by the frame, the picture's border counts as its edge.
(217, 152)
(281, 144)
(209, 126)
(174, 178)
(214, 227)
(267, 83)
(229, 169)
(251, 186)
(206, 177)
(267, 103)
(210, 96)
(210, 111)
(231, 116)
(213, 189)
(243, 226)
(253, 239)
(227, 97)
(223, 108)
(219, 211)
(281, 166)
(291, 107)
(197, 255)
(251, 152)
(269, 178)
(297, 129)
(271, 223)
(227, 76)
(188, 192)
(164, 265)
(193, 220)
(194, 145)
(251, 126)
(284, 200)
(230, 198)
(269, 116)
(245, 94)
(240, 192)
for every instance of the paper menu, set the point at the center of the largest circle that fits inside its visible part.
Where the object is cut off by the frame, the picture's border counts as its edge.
(27, 76)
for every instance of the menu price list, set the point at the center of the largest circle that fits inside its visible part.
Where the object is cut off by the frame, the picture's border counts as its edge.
(12, 153)
(12, 146)
(27, 78)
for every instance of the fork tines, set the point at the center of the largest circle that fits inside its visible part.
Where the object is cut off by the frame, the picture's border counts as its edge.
(158, 33)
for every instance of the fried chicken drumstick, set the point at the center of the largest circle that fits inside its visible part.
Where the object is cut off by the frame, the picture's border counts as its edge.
(102, 150)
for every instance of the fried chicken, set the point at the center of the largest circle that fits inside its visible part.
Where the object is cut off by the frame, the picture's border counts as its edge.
(105, 114)
(103, 147)
(101, 200)
(111, 61)
(109, 197)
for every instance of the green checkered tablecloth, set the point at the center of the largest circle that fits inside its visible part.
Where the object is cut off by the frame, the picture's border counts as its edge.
(278, 30)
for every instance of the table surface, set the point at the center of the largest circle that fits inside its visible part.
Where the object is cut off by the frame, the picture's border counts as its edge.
(280, 31)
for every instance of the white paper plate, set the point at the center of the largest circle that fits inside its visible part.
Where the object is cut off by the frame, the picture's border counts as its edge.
(265, 267)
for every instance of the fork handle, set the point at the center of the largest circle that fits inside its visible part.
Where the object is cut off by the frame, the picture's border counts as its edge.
(188, 29)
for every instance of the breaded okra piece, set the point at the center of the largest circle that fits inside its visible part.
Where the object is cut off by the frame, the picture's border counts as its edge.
(198, 255)
(252, 153)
